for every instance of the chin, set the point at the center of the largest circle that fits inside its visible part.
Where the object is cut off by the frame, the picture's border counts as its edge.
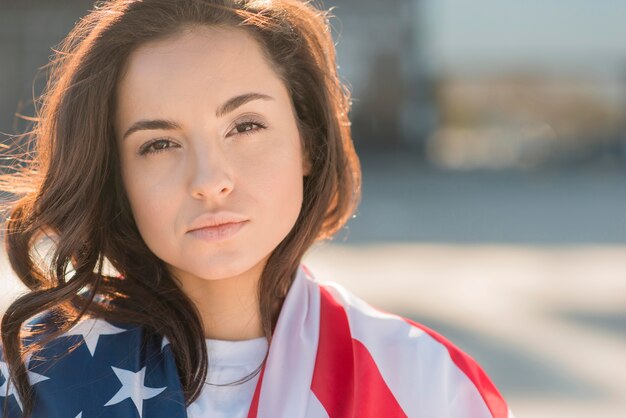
(216, 270)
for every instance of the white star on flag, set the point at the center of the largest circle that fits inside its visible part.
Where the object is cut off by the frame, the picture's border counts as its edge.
(133, 387)
(33, 378)
(91, 329)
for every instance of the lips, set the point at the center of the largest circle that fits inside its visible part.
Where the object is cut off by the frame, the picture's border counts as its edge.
(209, 220)
(218, 232)
(211, 227)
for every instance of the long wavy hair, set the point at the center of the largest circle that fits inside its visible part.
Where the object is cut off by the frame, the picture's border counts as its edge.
(71, 187)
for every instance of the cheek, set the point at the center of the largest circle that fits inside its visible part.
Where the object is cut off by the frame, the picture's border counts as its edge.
(282, 186)
(148, 203)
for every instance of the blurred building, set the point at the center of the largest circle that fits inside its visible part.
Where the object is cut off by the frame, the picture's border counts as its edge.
(29, 29)
(528, 121)
(382, 52)
(528, 84)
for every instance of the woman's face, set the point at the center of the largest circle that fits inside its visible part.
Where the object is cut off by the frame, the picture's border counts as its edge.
(204, 126)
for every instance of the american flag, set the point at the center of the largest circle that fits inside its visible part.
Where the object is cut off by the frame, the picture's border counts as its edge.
(98, 369)
(332, 356)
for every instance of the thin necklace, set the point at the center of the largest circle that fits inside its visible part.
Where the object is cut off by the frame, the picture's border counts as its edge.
(241, 380)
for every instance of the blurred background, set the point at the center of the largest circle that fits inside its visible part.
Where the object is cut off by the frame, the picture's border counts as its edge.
(492, 136)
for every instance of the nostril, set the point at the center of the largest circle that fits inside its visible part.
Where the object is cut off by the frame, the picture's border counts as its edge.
(216, 185)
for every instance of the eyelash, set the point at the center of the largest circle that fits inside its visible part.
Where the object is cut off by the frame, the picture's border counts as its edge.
(146, 148)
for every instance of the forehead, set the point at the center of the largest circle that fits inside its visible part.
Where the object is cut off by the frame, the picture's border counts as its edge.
(198, 50)
(201, 63)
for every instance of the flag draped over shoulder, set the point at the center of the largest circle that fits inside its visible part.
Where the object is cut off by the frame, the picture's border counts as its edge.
(332, 356)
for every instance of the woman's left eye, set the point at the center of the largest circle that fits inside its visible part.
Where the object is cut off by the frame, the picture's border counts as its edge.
(248, 127)
(156, 146)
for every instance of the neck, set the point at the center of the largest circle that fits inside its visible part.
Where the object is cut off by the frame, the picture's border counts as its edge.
(229, 307)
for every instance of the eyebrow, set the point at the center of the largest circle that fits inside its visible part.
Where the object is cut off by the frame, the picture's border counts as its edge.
(165, 124)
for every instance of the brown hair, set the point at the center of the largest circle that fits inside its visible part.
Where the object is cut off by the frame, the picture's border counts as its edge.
(72, 187)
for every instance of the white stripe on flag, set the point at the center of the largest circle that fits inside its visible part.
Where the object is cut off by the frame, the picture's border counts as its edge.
(286, 383)
(409, 358)
(315, 408)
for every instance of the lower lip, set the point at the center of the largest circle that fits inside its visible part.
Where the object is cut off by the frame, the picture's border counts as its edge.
(218, 233)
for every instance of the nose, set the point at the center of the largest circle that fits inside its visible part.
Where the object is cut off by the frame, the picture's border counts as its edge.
(211, 175)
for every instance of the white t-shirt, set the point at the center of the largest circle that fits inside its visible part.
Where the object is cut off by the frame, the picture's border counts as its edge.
(229, 361)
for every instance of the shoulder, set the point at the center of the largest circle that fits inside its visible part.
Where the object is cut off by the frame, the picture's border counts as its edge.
(69, 360)
(89, 335)
(92, 368)
(421, 368)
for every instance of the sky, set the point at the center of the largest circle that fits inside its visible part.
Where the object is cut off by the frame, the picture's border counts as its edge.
(491, 34)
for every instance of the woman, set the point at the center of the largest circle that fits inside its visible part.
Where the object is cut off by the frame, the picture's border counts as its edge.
(201, 147)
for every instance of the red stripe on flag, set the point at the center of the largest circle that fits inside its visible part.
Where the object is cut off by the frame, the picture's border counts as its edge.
(346, 380)
(375, 397)
(493, 399)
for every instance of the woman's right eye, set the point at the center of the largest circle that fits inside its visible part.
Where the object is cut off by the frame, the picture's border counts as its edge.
(156, 146)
